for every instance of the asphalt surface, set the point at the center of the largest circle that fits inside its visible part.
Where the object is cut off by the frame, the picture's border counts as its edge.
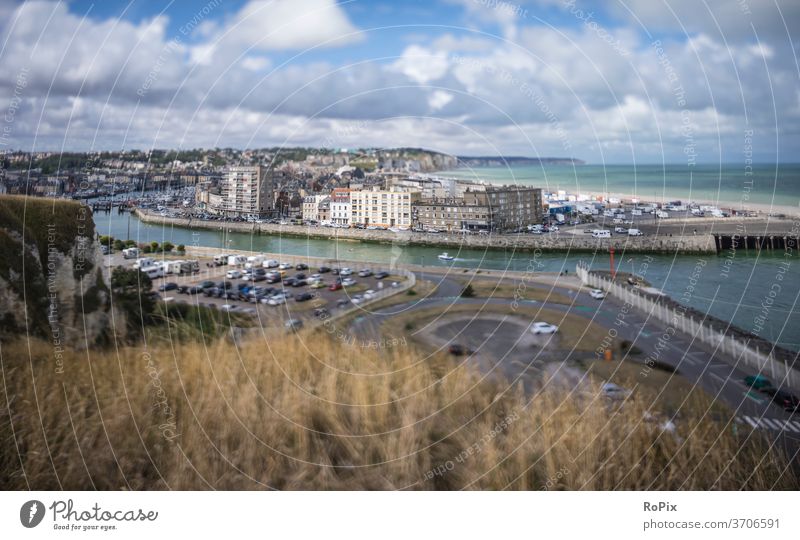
(703, 366)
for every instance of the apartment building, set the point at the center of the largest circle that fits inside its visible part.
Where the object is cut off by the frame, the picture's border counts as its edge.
(311, 207)
(382, 208)
(451, 215)
(514, 207)
(492, 208)
(247, 191)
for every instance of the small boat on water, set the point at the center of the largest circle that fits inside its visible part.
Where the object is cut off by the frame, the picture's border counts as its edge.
(445, 257)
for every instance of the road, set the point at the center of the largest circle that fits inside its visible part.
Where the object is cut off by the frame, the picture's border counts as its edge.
(700, 364)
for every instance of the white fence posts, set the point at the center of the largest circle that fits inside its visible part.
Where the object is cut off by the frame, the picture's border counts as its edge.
(733, 350)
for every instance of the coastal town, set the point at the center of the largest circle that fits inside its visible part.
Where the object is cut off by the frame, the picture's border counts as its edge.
(400, 190)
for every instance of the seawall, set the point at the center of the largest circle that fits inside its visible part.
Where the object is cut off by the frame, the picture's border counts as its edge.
(525, 242)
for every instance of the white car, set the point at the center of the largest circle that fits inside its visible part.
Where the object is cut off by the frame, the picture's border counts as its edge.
(233, 274)
(285, 266)
(271, 263)
(345, 271)
(276, 301)
(348, 282)
(621, 230)
(597, 293)
(369, 294)
(543, 328)
(227, 308)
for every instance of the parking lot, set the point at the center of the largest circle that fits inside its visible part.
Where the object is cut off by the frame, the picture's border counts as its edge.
(282, 294)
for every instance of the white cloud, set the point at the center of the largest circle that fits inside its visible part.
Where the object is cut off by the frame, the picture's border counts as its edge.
(421, 65)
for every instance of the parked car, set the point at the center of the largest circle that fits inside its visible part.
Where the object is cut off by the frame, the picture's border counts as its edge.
(169, 286)
(348, 282)
(304, 297)
(342, 302)
(543, 328)
(207, 284)
(284, 266)
(233, 274)
(366, 272)
(324, 269)
(321, 313)
(318, 284)
(369, 294)
(293, 324)
(597, 293)
(227, 308)
(381, 275)
(301, 266)
(345, 272)
(276, 300)
(335, 286)
(456, 349)
(757, 382)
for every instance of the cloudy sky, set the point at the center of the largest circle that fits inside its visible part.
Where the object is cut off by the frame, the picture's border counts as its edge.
(621, 81)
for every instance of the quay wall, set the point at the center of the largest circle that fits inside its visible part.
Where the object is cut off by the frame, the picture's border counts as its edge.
(525, 242)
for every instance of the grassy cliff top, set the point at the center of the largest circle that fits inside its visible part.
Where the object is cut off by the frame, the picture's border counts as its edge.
(36, 218)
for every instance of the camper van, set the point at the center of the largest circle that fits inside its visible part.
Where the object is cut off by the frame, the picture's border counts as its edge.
(143, 263)
(221, 259)
(171, 267)
(601, 233)
(190, 267)
(153, 272)
(130, 253)
(236, 260)
(662, 215)
(254, 261)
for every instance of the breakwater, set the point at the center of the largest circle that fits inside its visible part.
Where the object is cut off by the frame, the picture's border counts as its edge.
(696, 244)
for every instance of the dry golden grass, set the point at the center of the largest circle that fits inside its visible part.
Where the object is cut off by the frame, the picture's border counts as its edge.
(288, 413)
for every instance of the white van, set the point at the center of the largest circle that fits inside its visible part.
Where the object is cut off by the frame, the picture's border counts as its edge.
(601, 233)
(236, 260)
(221, 259)
(254, 261)
(635, 232)
(661, 214)
(130, 253)
(172, 267)
(270, 263)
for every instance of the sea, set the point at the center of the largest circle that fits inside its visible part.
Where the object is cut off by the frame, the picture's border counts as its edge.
(723, 184)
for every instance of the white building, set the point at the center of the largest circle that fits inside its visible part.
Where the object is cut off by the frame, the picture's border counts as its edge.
(340, 206)
(382, 208)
